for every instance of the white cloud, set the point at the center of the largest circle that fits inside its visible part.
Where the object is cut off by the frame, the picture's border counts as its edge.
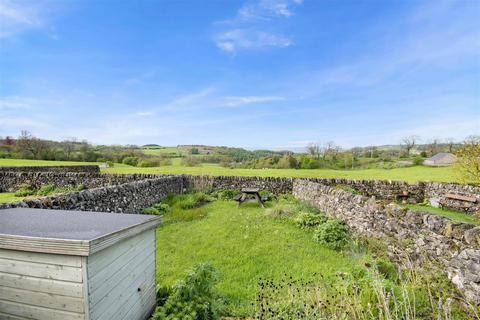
(237, 101)
(233, 40)
(144, 113)
(254, 26)
(267, 9)
(18, 16)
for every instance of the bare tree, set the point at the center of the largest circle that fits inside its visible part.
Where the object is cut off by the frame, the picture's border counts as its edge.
(28, 144)
(409, 142)
(314, 149)
(450, 144)
(329, 149)
(432, 147)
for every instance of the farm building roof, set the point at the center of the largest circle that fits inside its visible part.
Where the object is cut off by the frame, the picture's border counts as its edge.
(441, 156)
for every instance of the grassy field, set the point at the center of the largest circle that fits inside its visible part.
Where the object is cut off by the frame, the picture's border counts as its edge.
(454, 215)
(244, 245)
(163, 150)
(250, 245)
(410, 174)
(39, 163)
(9, 197)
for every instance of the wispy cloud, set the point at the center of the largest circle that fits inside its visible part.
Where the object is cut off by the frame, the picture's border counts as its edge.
(18, 16)
(253, 27)
(267, 9)
(238, 101)
(144, 113)
(233, 40)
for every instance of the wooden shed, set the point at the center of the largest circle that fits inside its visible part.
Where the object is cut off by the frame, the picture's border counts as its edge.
(63, 265)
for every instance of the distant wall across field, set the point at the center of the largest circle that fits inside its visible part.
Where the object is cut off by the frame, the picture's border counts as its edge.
(80, 168)
(419, 235)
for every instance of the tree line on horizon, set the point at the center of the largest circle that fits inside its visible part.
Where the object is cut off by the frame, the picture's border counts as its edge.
(327, 155)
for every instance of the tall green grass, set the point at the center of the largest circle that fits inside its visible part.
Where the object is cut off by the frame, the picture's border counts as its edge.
(249, 246)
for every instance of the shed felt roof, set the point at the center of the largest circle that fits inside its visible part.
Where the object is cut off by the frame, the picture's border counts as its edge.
(442, 156)
(57, 231)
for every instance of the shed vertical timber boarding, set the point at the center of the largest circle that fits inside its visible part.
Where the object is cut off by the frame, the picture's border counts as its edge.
(76, 265)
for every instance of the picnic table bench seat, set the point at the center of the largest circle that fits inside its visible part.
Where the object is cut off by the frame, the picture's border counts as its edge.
(250, 195)
(460, 197)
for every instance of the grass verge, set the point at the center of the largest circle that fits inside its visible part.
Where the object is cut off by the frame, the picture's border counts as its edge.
(451, 214)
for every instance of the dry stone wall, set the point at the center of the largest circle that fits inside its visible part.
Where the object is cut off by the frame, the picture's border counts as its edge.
(420, 235)
(81, 168)
(274, 185)
(381, 189)
(129, 197)
(11, 181)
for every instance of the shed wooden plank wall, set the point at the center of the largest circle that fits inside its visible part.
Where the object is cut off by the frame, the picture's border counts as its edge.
(41, 286)
(116, 273)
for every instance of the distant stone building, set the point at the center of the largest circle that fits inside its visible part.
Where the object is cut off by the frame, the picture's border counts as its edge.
(441, 159)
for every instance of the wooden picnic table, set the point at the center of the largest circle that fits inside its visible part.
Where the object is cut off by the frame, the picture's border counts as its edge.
(250, 195)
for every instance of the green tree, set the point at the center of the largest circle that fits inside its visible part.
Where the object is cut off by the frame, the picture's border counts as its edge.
(468, 163)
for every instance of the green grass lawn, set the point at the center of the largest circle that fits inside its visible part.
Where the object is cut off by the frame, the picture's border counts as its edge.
(409, 174)
(244, 245)
(453, 215)
(9, 197)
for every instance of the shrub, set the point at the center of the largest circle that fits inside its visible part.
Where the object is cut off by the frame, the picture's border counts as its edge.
(191, 200)
(333, 234)
(151, 210)
(191, 161)
(417, 161)
(110, 164)
(195, 297)
(25, 190)
(162, 207)
(131, 161)
(148, 163)
(45, 190)
(307, 220)
(165, 162)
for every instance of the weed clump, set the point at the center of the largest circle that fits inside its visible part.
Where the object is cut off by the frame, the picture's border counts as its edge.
(194, 297)
(307, 220)
(333, 234)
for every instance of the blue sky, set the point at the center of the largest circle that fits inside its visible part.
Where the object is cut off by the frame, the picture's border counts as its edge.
(265, 73)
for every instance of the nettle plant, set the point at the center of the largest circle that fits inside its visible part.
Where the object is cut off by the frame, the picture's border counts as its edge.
(195, 297)
(363, 294)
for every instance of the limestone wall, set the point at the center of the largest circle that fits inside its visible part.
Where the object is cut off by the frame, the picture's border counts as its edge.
(129, 197)
(381, 189)
(11, 181)
(274, 185)
(419, 234)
